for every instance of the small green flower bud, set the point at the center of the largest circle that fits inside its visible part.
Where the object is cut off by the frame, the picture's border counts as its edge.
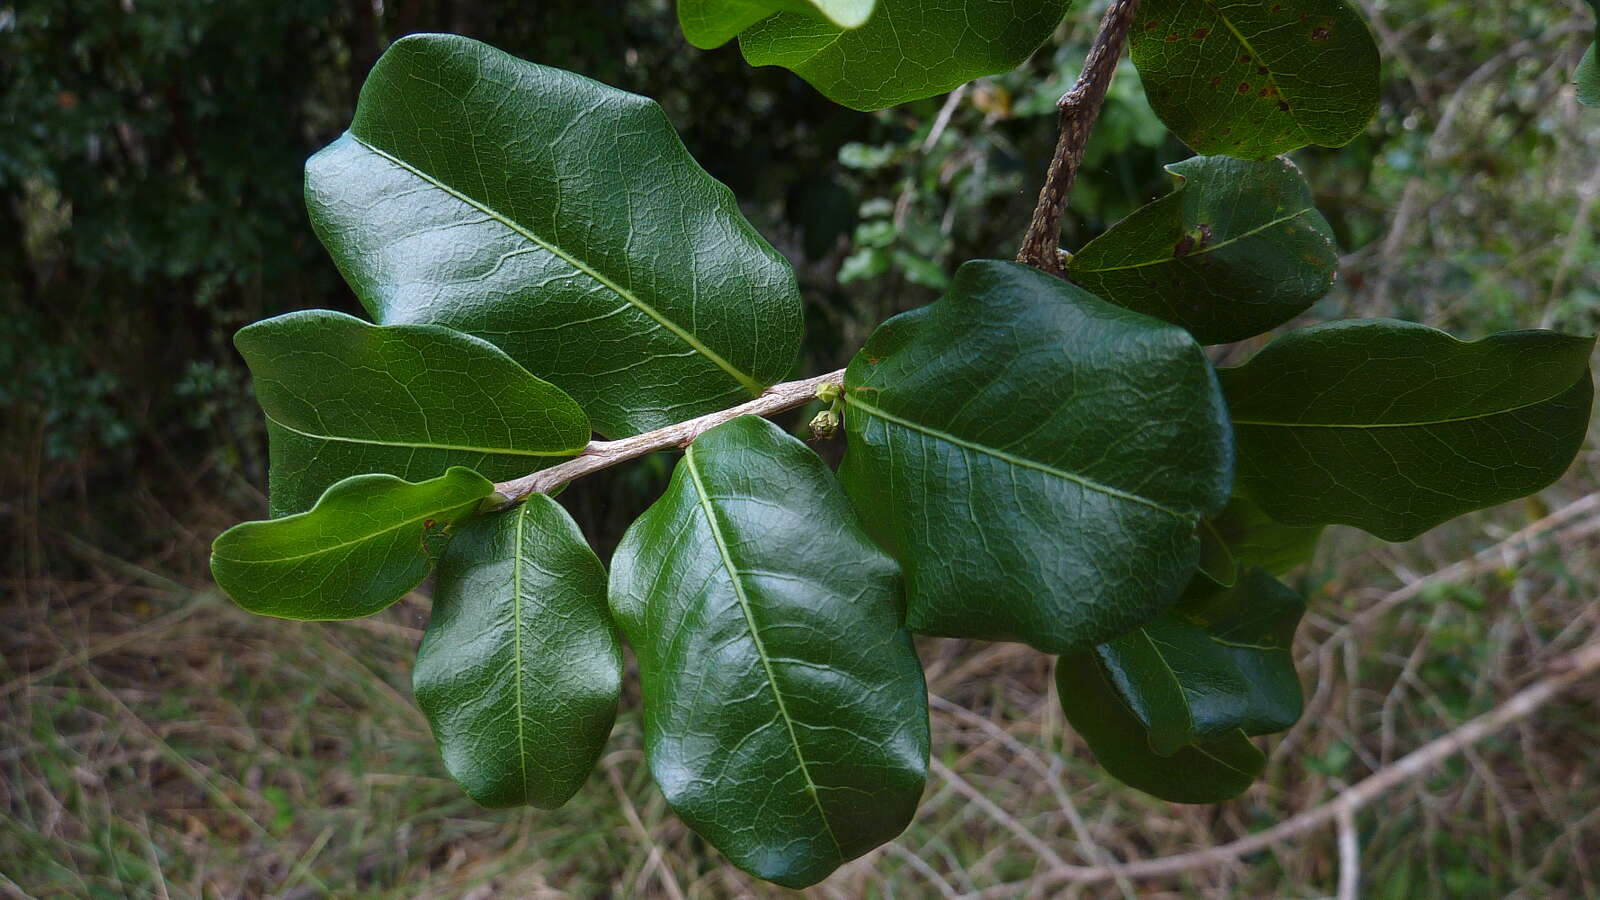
(825, 425)
(828, 392)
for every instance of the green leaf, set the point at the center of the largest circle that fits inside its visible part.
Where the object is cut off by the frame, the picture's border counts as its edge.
(1217, 663)
(1587, 77)
(1216, 563)
(1206, 771)
(520, 669)
(1254, 79)
(1036, 458)
(1255, 539)
(908, 50)
(369, 540)
(784, 709)
(1395, 427)
(561, 220)
(712, 23)
(343, 397)
(1237, 249)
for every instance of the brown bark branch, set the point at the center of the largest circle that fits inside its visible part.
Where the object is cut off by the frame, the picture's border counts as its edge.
(605, 454)
(1078, 109)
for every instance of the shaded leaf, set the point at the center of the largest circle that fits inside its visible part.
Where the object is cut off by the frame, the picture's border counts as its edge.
(1253, 79)
(907, 50)
(1587, 77)
(1216, 564)
(343, 397)
(1036, 458)
(561, 220)
(366, 542)
(1237, 249)
(520, 669)
(712, 23)
(1207, 771)
(1254, 538)
(784, 709)
(1395, 427)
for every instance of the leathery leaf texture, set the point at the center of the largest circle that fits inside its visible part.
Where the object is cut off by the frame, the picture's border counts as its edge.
(1395, 427)
(1036, 458)
(907, 50)
(1237, 249)
(785, 715)
(344, 397)
(366, 542)
(1254, 79)
(561, 220)
(520, 669)
(712, 23)
(1587, 75)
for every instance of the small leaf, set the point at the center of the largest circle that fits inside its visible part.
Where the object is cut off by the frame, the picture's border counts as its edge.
(1587, 76)
(785, 714)
(1255, 539)
(1207, 771)
(1237, 249)
(1395, 427)
(343, 397)
(561, 220)
(1036, 458)
(520, 669)
(1254, 79)
(369, 540)
(712, 23)
(907, 50)
(1216, 564)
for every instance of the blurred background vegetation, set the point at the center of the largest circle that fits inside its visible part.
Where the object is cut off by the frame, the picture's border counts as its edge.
(156, 741)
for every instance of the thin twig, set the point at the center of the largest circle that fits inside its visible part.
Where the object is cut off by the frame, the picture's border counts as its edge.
(605, 454)
(1078, 109)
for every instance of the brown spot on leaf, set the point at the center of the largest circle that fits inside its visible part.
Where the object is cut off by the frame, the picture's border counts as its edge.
(1216, 81)
(1184, 246)
(1200, 33)
(1205, 236)
(1244, 58)
(1321, 33)
(1174, 37)
(1244, 87)
(1283, 105)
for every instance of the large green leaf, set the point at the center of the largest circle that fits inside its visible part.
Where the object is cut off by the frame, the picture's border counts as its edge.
(343, 397)
(1239, 248)
(561, 220)
(369, 540)
(785, 714)
(1206, 771)
(1253, 79)
(1395, 427)
(1036, 458)
(712, 23)
(520, 669)
(1217, 663)
(907, 50)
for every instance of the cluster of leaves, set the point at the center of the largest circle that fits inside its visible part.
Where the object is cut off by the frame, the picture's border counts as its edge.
(1029, 459)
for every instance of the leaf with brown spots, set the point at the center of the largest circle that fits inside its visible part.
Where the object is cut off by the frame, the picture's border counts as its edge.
(1253, 79)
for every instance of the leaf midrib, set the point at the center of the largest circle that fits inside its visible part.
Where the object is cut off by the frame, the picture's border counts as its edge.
(1423, 424)
(1201, 252)
(1015, 460)
(1272, 74)
(748, 382)
(704, 501)
(516, 628)
(343, 544)
(420, 445)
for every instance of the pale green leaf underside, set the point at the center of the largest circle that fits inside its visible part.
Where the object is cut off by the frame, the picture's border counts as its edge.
(1395, 427)
(907, 50)
(785, 714)
(366, 542)
(1036, 458)
(712, 23)
(1237, 249)
(1254, 79)
(344, 397)
(561, 220)
(520, 669)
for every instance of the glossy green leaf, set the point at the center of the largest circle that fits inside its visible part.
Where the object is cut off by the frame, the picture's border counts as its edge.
(344, 397)
(1587, 76)
(1036, 458)
(1237, 249)
(907, 50)
(520, 669)
(1255, 539)
(1217, 663)
(1395, 427)
(369, 540)
(785, 714)
(1254, 79)
(561, 220)
(712, 23)
(1206, 771)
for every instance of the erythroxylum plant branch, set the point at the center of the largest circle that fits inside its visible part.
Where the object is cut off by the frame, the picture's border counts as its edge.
(1078, 110)
(599, 455)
